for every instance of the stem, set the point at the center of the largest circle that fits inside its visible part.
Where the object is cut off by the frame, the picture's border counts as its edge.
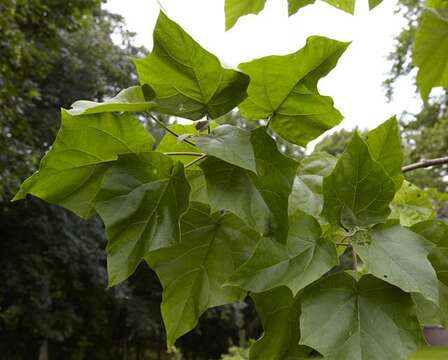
(355, 262)
(342, 244)
(168, 129)
(269, 121)
(191, 163)
(183, 153)
(425, 163)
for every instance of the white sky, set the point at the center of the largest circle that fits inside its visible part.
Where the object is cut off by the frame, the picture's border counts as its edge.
(356, 82)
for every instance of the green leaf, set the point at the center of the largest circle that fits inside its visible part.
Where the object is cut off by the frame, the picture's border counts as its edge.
(411, 205)
(198, 186)
(368, 320)
(230, 144)
(188, 80)
(399, 256)
(170, 143)
(374, 3)
(70, 173)
(358, 191)
(192, 272)
(141, 200)
(260, 200)
(344, 5)
(284, 89)
(431, 47)
(234, 9)
(306, 193)
(304, 259)
(429, 314)
(133, 99)
(279, 312)
(436, 231)
(385, 147)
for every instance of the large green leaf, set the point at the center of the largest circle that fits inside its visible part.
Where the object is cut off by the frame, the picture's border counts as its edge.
(358, 191)
(368, 320)
(231, 144)
(192, 272)
(261, 200)
(436, 231)
(399, 256)
(431, 47)
(141, 200)
(411, 205)
(304, 259)
(345, 5)
(284, 89)
(133, 99)
(234, 9)
(70, 173)
(385, 147)
(306, 193)
(188, 80)
(279, 312)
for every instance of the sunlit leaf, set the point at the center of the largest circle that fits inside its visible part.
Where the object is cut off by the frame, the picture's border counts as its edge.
(234, 9)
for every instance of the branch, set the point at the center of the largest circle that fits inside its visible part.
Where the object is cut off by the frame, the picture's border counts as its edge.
(168, 129)
(425, 163)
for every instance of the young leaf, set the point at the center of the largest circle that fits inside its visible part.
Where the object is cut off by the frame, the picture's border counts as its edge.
(304, 259)
(436, 231)
(358, 191)
(399, 256)
(170, 143)
(234, 9)
(188, 80)
(306, 193)
(385, 147)
(279, 312)
(141, 200)
(261, 200)
(368, 320)
(192, 272)
(284, 89)
(133, 99)
(431, 47)
(344, 5)
(411, 205)
(70, 173)
(231, 144)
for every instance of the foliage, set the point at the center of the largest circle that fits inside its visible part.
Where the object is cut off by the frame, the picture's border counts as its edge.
(226, 222)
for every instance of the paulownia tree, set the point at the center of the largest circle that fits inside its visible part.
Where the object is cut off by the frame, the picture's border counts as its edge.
(220, 212)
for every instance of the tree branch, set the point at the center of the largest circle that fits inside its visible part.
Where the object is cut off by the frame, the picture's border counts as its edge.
(425, 163)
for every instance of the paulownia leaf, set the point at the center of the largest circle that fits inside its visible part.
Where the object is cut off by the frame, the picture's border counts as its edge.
(344, 5)
(306, 193)
(385, 147)
(133, 99)
(279, 312)
(284, 89)
(234, 9)
(192, 272)
(368, 320)
(70, 173)
(399, 256)
(230, 144)
(374, 3)
(260, 200)
(431, 47)
(304, 259)
(188, 80)
(198, 186)
(358, 191)
(436, 231)
(411, 205)
(430, 314)
(141, 200)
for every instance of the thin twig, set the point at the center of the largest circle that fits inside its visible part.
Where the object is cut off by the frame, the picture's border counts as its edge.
(191, 163)
(169, 130)
(425, 163)
(183, 153)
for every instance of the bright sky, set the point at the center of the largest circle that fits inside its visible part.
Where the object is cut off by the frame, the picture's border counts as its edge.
(356, 82)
